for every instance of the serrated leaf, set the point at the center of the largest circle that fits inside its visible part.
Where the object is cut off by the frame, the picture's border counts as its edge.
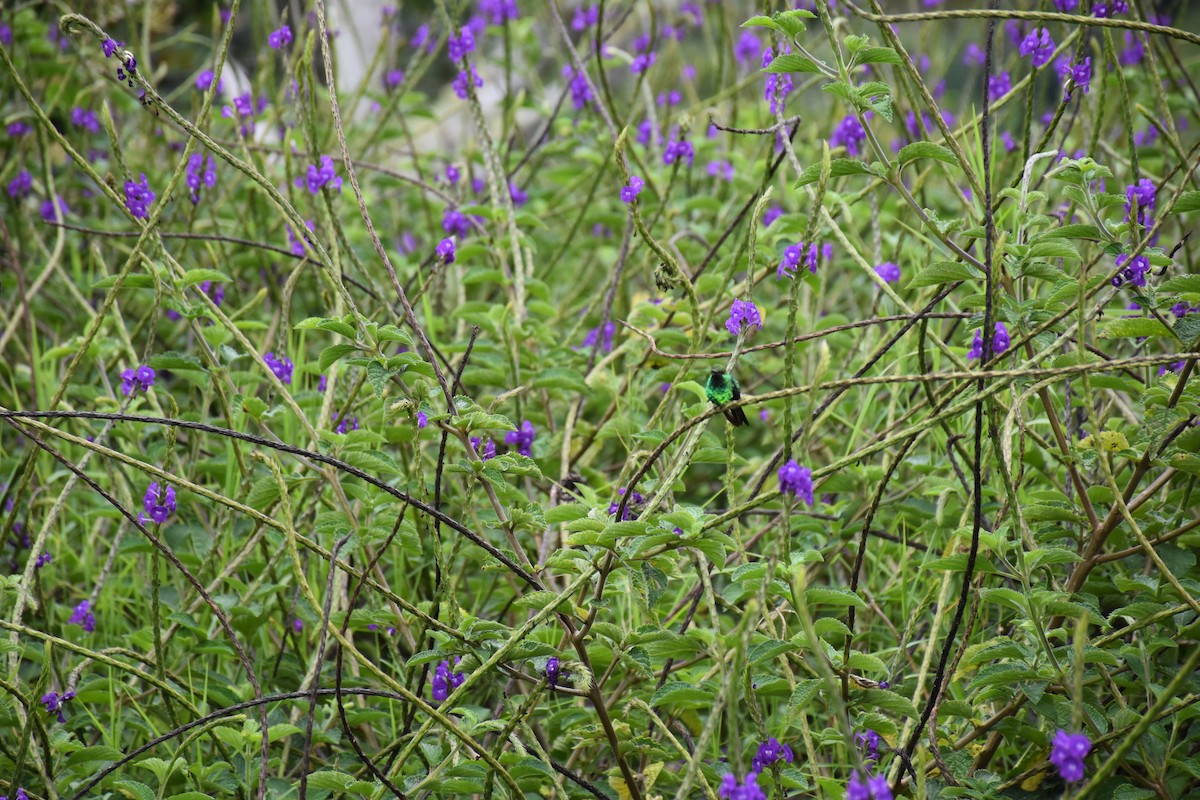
(828, 595)
(328, 779)
(1053, 248)
(561, 378)
(940, 272)
(838, 168)
(803, 694)
(135, 790)
(678, 694)
(1188, 201)
(877, 55)
(911, 152)
(194, 276)
(1188, 330)
(1137, 327)
(894, 704)
(791, 63)
(332, 354)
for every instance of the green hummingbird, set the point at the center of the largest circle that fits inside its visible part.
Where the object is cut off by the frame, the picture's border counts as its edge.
(722, 388)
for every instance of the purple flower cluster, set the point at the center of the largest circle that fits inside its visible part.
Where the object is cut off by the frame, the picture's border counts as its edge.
(1039, 45)
(17, 129)
(320, 175)
(20, 186)
(522, 439)
(1067, 752)
(82, 615)
(869, 743)
(778, 84)
(138, 198)
(1142, 193)
(850, 133)
(54, 703)
(53, 210)
(631, 508)
(444, 680)
(20, 795)
(810, 254)
(720, 169)
(347, 424)
(999, 84)
(86, 119)
(747, 46)
(632, 189)
(1131, 272)
(460, 83)
(445, 251)
(581, 93)
(553, 673)
(1134, 50)
(459, 46)
(679, 150)
(1110, 8)
(200, 171)
(875, 788)
(244, 110)
(422, 419)
(159, 503)
(204, 82)
(140, 379)
(889, 271)
(1000, 342)
(743, 315)
(277, 40)
(486, 450)
(282, 366)
(499, 11)
(747, 790)
(773, 213)
(770, 752)
(585, 18)
(796, 480)
(295, 243)
(603, 334)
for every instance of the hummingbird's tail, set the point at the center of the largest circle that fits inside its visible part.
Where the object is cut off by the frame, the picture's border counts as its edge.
(736, 416)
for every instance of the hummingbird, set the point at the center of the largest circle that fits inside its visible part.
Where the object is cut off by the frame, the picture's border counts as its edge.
(722, 388)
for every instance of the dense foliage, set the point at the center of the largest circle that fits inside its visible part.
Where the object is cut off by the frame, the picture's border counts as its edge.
(622, 400)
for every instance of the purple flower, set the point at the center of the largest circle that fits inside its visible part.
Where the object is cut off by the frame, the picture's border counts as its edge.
(606, 341)
(422, 419)
(791, 261)
(973, 57)
(1142, 193)
(1066, 6)
(748, 790)
(467, 75)
(347, 424)
(1007, 140)
(204, 82)
(1067, 752)
(318, 176)
(748, 45)
(54, 702)
(1000, 342)
(632, 189)
(679, 150)
(1079, 75)
(200, 172)
(52, 210)
(518, 195)
(140, 379)
(797, 480)
(581, 93)
(82, 615)
(498, 11)
(282, 366)
(86, 119)
(850, 133)
(159, 504)
(721, 169)
(109, 47)
(459, 46)
(322, 384)
(423, 38)
(277, 40)
(5, 34)
(889, 271)
(999, 84)
(444, 680)
(778, 84)
(486, 449)
(296, 244)
(632, 508)
(1039, 45)
(876, 788)
(668, 99)
(445, 250)
(771, 752)
(585, 18)
(773, 213)
(522, 439)
(42, 561)
(642, 62)
(1112, 8)
(393, 78)
(455, 223)
(1134, 51)
(17, 129)
(20, 186)
(743, 315)
(552, 671)
(138, 198)
(1133, 273)
(869, 743)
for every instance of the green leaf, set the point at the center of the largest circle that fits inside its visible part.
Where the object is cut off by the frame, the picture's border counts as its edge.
(194, 276)
(561, 378)
(678, 694)
(328, 779)
(135, 790)
(888, 701)
(940, 272)
(789, 23)
(1053, 248)
(1188, 201)
(1139, 327)
(838, 168)
(333, 353)
(911, 152)
(327, 324)
(791, 63)
(877, 55)
(1071, 232)
(835, 597)
(804, 693)
(1188, 331)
